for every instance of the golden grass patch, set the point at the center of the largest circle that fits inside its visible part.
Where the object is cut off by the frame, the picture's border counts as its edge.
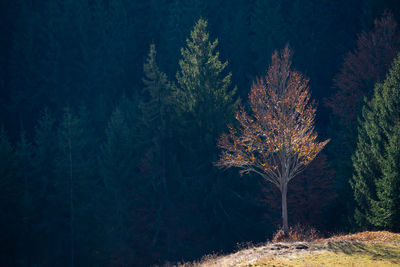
(344, 253)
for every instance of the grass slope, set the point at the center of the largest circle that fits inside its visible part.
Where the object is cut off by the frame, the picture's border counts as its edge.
(361, 249)
(343, 253)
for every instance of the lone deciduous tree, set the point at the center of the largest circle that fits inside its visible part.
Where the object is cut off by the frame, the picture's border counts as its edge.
(279, 140)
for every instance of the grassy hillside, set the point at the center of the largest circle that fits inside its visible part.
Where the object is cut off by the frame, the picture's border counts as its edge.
(361, 249)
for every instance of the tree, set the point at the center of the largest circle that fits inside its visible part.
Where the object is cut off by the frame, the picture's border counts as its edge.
(376, 181)
(365, 66)
(156, 111)
(279, 140)
(309, 196)
(203, 90)
(204, 101)
(118, 168)
(362, 68)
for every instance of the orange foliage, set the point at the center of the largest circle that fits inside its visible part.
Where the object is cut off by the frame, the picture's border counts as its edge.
(278, 140)
(365, 66)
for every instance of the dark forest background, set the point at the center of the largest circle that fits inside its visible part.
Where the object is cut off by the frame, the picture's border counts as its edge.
(106, 155)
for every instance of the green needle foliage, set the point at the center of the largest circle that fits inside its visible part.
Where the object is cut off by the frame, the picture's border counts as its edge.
(376, 182)
(204, 91)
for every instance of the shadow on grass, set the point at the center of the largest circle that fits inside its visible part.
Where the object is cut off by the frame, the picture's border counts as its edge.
(375, 250)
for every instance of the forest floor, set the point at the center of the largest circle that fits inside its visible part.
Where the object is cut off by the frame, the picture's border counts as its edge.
(361, 249)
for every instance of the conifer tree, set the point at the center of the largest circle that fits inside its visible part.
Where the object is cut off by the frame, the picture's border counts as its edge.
(204, 91)
(376, 181)
(156, 117)
(204, 100)
(117, 165)
(158, 166)
(157, 92)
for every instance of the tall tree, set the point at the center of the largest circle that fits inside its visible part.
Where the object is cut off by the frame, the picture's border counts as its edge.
(157, 112)
(279, 140)
(204, 100)
(376, 181)
(310, 196)
(204, 91)
(118, 168)
(366, 65)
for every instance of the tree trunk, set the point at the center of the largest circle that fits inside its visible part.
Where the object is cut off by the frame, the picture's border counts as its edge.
(284, 209)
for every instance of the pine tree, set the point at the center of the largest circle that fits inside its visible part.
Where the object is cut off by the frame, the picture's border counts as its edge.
(376, 182)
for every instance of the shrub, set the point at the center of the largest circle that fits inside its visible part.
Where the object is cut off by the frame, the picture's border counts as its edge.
(296, 233)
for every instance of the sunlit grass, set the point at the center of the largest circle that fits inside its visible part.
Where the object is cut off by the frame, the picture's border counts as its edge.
(344, 253)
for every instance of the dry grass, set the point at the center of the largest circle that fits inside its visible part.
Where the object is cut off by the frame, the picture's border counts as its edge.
(360, 249)
(343, 253)
(296, 233)
(378, 236)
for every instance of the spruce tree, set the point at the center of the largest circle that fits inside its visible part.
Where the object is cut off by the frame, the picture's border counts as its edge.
(156, 117)
(376, 182)
(204, 100)
(204, 90)
(157, 93)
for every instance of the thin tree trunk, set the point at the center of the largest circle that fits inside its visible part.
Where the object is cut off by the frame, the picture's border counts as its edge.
(284, 209)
